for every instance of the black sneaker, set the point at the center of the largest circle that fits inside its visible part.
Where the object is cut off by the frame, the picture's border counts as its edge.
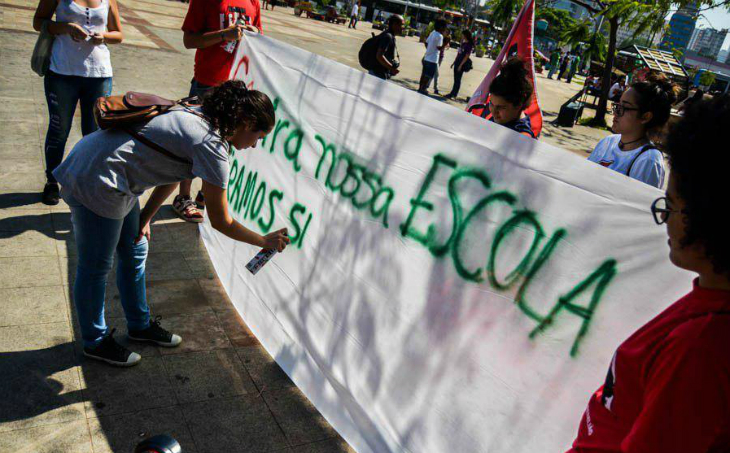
(51, 193)
(155, 334)
(113, 353)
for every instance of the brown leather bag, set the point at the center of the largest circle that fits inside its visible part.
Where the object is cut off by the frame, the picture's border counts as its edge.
(121, 111)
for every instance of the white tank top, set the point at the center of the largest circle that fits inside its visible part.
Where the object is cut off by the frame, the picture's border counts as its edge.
(82, 58)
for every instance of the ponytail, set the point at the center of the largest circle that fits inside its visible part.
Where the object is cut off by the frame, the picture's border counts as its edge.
(656, 94)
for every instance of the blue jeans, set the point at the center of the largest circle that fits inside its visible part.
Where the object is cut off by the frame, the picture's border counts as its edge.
(198, 89)
(553, 69)
(457, 82)
(97, 238)
(62, 94)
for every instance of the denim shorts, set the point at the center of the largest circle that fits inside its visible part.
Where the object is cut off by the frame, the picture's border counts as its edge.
(429, 69)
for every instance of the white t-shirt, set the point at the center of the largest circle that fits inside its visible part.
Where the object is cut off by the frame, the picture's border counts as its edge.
(648, 167)
(434, 41)
(355, 10)
(614, 89)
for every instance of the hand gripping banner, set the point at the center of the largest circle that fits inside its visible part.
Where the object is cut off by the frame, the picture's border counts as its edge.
(451, 285)
(519, 42)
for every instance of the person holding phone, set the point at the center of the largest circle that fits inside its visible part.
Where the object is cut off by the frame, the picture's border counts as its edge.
(80, 71)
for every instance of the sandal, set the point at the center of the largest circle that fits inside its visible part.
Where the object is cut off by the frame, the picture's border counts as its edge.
(200, 200)
(185, 208)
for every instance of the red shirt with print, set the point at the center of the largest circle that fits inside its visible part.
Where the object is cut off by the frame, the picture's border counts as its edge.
(668, 386)
(213, 64)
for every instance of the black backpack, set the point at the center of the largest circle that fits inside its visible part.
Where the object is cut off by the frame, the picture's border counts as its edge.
(368, 53)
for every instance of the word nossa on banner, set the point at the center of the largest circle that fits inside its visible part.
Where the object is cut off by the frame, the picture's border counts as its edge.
(451, 286)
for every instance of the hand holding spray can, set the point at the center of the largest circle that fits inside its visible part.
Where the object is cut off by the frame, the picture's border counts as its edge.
(231, 45)
(264, 256)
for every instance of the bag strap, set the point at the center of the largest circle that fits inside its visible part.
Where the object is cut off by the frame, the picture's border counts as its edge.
(141, 138)
(643, 150)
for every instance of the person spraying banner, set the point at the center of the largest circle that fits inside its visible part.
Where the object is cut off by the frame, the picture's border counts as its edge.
(106, 173)
(642, 110)
(668, 386)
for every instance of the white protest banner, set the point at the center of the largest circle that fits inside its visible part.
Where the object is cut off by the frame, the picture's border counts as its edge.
(451, 286)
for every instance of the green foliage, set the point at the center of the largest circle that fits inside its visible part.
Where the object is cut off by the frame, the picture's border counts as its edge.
(504, 10)
(594, 122)
(558, 20)
(707, 78)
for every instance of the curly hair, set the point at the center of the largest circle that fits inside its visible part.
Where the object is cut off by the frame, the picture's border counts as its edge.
(699, 170)
(231, 105)
(656, 94)
(512, 83)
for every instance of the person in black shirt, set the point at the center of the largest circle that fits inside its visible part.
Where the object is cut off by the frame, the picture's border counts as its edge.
(385, 64)
(509, 95)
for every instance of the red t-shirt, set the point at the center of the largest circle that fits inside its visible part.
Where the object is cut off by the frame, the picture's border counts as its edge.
(668, 386)
(213, 64)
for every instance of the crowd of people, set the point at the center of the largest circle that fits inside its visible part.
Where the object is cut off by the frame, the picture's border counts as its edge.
(668, 384)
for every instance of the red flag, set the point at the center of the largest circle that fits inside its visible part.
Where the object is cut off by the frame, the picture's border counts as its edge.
(519, 42)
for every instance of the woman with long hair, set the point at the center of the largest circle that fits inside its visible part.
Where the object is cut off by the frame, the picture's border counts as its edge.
(465, 50)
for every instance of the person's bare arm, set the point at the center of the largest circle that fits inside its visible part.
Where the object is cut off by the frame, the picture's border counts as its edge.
(44, 12)
(380, 56)
(113, 33)
(206, 39)
(159, 195)
(216, 203)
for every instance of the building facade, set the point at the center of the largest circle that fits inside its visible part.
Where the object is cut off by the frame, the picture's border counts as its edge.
(707, 42)
(681, 27)
(626, 35)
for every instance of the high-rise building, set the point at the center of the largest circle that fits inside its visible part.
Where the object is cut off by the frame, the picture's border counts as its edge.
(707, 41)
(681, 27)
(722, 56)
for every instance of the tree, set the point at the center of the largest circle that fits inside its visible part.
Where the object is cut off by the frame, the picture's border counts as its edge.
(644, 15)
(558, 20)
(707, 78)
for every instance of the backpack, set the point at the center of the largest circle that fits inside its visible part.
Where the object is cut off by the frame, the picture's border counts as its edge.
(122, 112)
(368, 53)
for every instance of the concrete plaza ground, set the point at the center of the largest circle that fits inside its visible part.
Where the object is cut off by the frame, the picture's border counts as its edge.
(220, 391)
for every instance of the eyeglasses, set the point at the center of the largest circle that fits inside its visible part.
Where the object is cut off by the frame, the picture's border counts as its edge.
(619, 110)
(660, 210)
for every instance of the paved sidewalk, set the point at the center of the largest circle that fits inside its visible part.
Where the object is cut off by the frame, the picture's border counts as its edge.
(219, 391)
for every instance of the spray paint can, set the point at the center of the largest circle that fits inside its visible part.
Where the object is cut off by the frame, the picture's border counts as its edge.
(260, 260)
(231, 46)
